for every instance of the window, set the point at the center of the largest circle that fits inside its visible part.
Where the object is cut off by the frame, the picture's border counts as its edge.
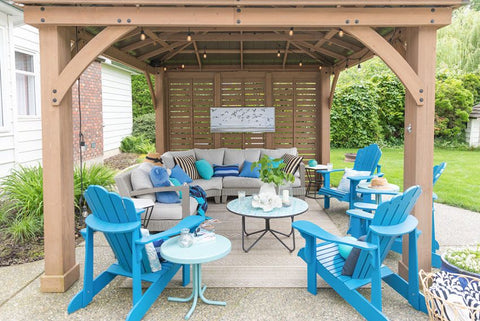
(25, 74)
(1, 97)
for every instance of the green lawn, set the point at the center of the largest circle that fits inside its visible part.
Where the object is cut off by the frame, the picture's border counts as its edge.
(458, 186)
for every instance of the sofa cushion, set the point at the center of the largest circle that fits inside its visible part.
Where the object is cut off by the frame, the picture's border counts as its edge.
(204, 168)
(278, 153)
(167, 158)
(159, 177)
(187, 163)
(241, 182)
(292, 163)
(140, 179)
(213, 183)
(234, 156)
(163, 211)
(213, 156)
(180, 175)
(252, 154)
(225, 170)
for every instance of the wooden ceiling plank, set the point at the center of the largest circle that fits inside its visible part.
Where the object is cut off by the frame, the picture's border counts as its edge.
(159, 51)
(308, 53)
(229, 17)
(175, 52)
(137, 45)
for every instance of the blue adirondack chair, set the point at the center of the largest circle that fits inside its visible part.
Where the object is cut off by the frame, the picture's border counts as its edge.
(437, 172)
(120, 222)
(367, 160)
(391, 220)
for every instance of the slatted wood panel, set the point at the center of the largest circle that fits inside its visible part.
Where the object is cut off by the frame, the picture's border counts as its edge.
(243, 93)
(294, 97)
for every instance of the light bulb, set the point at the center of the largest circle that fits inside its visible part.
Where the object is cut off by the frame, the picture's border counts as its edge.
(300, 64)
(143, 36)
(189, 37)
(319, 67)
(204, 55)
(183, 66)
(278, 54)
(290, 32)
(340, 33)
(164, 68)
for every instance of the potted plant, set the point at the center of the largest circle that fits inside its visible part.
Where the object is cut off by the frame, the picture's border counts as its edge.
(463, 261)
(272, 174)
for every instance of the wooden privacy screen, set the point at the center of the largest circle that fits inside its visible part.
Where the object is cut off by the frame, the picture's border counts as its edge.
(294, 96)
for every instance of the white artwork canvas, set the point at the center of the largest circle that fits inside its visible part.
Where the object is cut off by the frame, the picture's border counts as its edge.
(243, 119)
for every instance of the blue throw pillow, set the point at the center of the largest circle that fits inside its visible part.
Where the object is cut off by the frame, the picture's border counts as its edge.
(225, 170)
(204, 169)
(351, 261)
(276, 163)
(248, 172)
(179, 173)
(159, 177)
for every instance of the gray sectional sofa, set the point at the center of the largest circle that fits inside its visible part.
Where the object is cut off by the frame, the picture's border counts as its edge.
(229, 186)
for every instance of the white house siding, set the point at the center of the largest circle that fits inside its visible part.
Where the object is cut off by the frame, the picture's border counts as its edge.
(117, 107)
(473, 132)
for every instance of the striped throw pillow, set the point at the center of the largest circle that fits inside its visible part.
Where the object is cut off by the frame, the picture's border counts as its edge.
(225, 170)
(292, 163)
(187, 163)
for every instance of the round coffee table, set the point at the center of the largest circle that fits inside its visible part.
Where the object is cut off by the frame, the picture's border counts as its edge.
(196, 255)
(244, 209)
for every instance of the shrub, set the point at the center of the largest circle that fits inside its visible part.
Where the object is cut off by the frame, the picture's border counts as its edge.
(141, 99)
(95, 174)
(453, 104)
(354, 117)
(471, 82)
(145, 125)
(137, 144)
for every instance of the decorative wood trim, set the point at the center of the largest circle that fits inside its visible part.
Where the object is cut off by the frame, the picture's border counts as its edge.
(82, 60)
(246, 17)
(151, 89)
(392, 58)
(332, 89)
(324, 94)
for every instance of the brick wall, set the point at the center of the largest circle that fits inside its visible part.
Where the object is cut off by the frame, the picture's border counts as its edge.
(92, 120)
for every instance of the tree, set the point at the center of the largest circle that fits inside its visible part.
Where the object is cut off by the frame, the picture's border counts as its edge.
(141, 99)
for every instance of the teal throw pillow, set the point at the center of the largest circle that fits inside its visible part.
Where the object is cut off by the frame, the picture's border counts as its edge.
(276, 161)
(248, 172)
(344, 249)
(204, 169)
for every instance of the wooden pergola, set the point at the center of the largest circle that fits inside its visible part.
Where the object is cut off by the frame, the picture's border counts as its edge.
(322, 37)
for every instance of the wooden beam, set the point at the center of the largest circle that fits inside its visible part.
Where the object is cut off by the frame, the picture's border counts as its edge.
(83, 59)
(254, 51)
(137, 45)
(161, 132)
(61, 270)
(332, 89)
(235, 36)
(392, 58)
(159, 51)
(285, 54)
(326, 38)
(419, 128)
(256, 2)
(344, 44)
(175, 52)
(151, 89)
(152, 35)
(197, 55)
(324, 92)
(225, 17)
(322, 50)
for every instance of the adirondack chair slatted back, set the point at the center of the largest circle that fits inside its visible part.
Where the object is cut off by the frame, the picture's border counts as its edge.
(367, 158)
(438, 170)
(112, 208)
(389, 213)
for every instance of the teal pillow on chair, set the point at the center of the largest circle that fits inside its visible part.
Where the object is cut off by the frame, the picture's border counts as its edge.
(204, 169)
(176, 182)
(276, 163)
(345, 249)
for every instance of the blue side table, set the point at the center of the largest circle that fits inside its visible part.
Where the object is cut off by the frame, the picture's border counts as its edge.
(196, 255)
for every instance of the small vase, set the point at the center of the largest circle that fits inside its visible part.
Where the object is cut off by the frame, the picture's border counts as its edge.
(267, 188)
(185, 239)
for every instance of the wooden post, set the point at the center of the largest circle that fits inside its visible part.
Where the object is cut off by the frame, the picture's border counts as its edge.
(323, 118)
(160, 113)
(269, 137)
(418, 158)
(61, 270)
(217, 84)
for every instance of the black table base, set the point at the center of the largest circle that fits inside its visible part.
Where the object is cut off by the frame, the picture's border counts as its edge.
(264, 231)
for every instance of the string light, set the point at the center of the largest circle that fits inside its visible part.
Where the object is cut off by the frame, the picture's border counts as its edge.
(143, 36)
(300, 64)
(290, 32)
(165, 68)
(205, 53)
(183, 66)
(189, 36)
(359, 66)
(340, 33)
(319, 67)
(278, 54)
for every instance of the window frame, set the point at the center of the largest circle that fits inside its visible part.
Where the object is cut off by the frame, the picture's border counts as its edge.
(36, 82)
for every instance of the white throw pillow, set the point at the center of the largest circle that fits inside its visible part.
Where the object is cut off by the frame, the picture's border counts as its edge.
(345, 182)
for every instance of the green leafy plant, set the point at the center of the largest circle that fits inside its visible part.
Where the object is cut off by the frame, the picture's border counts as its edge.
(144, 125)
(137, 144)
(95, 174)
(272, 172)
(467, 259)
(141, 98)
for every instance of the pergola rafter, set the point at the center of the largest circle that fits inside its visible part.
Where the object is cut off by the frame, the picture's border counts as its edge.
(240, 36)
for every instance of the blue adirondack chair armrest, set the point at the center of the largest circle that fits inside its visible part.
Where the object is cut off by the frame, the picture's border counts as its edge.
(99, 225)
(326, 171)
(306, 227)
(188, 222)
(409, 225)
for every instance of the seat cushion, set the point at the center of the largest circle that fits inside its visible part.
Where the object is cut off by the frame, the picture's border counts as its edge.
(213, 156)
(278, 153)
(140, 179)
(241, 182)
(211, 184)
(163, 211)
(238, 156)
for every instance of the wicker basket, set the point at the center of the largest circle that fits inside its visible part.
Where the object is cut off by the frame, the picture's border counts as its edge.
(438, 306)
